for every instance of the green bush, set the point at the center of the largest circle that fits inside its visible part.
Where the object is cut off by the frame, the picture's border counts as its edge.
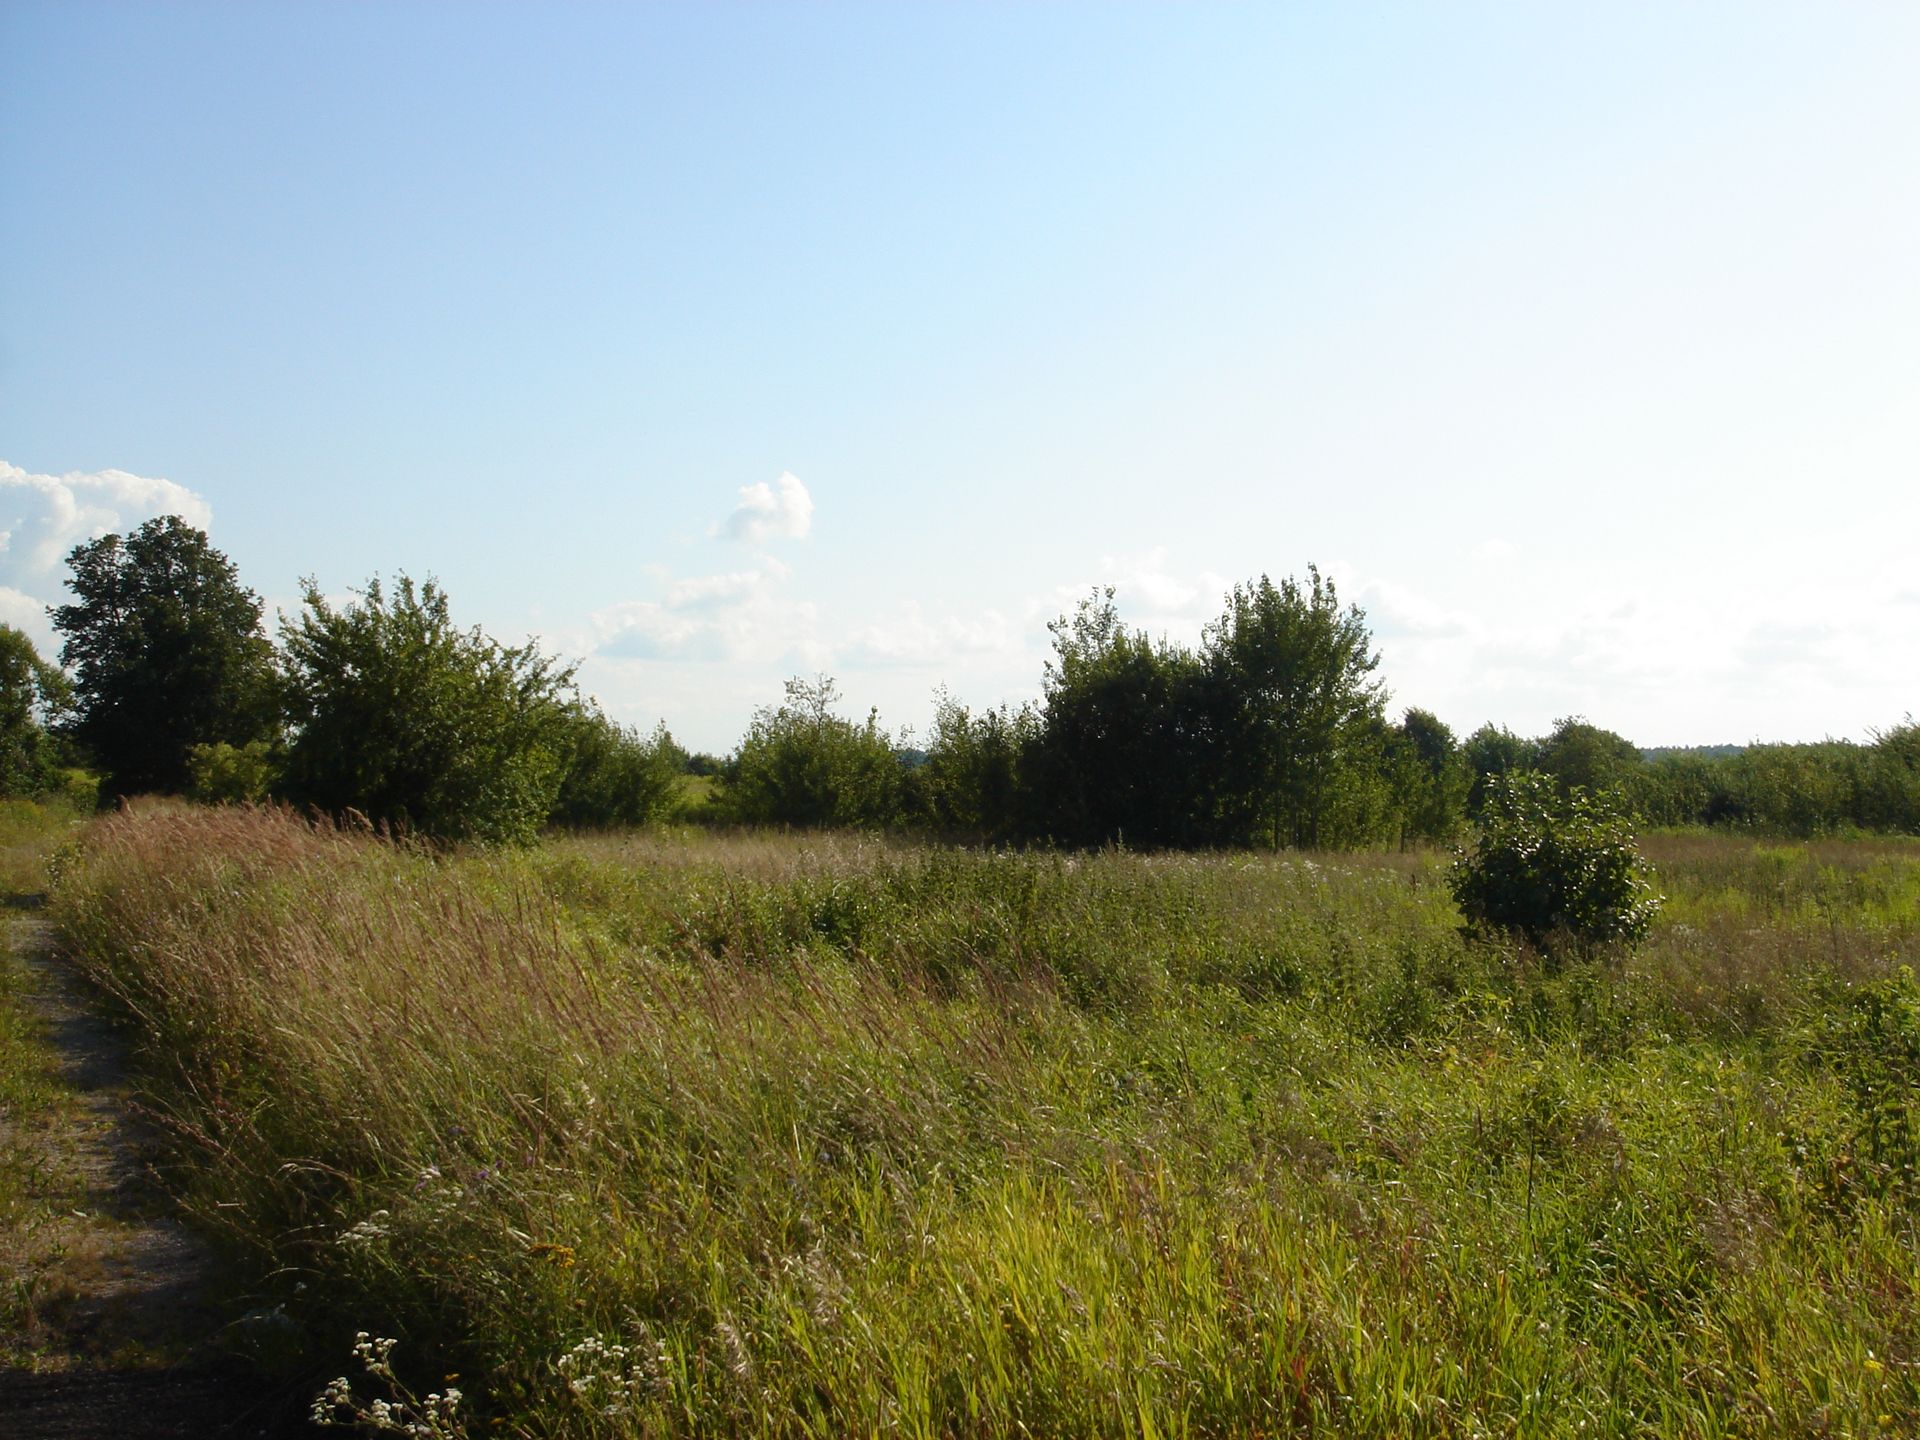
(616, 775)
(805, 766)
(1556, 867)
(31, 691)
(223, 774)
(402, 716)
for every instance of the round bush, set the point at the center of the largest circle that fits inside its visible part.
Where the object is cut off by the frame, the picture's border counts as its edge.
(1556, 867)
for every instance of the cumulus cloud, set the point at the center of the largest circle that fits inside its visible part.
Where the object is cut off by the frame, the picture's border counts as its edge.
(780, 511)
(42, 517)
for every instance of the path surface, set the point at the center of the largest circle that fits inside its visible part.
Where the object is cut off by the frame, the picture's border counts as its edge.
(122, 1332)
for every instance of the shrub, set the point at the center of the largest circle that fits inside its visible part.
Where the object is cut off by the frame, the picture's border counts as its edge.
(616, 776)
(223, 774)
(404, 717)
(1554, 867)
(803, 765)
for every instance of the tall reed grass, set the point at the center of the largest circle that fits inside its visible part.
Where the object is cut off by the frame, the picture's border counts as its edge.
(658, 1135)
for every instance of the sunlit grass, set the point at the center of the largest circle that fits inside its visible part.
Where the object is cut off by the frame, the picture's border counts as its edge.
(834, 1136)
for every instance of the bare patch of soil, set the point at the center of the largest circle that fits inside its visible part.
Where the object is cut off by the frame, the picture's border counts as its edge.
(111, 1301)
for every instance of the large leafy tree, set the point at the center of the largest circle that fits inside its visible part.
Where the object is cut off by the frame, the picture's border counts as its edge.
(399, 714)
(1302, 709)
(166, 651)
(32, 693)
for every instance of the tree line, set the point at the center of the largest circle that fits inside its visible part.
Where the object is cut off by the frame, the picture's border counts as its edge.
(1273, 731)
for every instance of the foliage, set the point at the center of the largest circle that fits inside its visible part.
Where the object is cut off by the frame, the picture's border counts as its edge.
(412, 722)
(1890, 792)
(1491, 752)
(1294, 672)
(615, 775)
(166, 650)
(223, 774)
(973, 782)
(802, 765)
(1870, 1040)
(33, 695)
(1119, 748)
(1585, 757)
(1554, 866)
(1429, 777)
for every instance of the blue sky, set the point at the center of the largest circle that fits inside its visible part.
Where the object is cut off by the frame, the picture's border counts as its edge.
(717, 343)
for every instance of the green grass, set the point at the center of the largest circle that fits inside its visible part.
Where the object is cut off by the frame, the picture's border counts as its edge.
(35, 1191)
(843, 1136)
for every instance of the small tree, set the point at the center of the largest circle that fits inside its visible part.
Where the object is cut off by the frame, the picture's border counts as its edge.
(32, 694)
(972, 783)
(801, 764)
(1429, 777)
(1302, 707)
(1118, 749)
(400, 715)
(1489, 753)
(1584, 755)
(166, 650)
(1554, 866)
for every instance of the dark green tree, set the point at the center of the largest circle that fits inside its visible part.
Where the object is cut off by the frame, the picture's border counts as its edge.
(1490, 752)
(413, 722)
(1118, 752)
(33, 695)
(1430, 777)
(1301, 707)
(973, 782)
(166, 652)
(1584, 755)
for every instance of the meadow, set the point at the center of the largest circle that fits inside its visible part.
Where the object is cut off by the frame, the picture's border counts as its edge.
(668, 1133)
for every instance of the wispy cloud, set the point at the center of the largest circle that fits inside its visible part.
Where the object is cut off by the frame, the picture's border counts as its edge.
(738, 615)
(780, 511)
(912, 639)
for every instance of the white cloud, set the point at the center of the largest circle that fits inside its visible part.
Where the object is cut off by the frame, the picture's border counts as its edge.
(1397, 611)
(911, 639)
(740, 615)
(42, 517)
(1149, 594)
(780, 511)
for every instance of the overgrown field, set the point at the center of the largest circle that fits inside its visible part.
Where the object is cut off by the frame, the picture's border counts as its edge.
(830, 1137)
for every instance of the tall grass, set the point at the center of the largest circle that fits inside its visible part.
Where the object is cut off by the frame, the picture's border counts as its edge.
(657, 1136)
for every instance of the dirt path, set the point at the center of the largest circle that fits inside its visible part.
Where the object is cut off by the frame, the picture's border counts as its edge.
(114, 1331)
